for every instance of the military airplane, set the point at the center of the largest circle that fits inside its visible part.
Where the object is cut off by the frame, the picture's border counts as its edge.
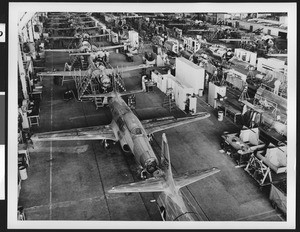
(134, 136)
(77, 36)
(171, 203)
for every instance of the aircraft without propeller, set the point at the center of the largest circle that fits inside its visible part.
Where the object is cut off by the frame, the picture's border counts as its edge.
(133, 135)
(171, 203)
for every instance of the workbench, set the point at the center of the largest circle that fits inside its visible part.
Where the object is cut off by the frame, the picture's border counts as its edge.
(23, 153)
(34, 113)
(150, 85)
(129, 57)
(37, 92)
(224, 105)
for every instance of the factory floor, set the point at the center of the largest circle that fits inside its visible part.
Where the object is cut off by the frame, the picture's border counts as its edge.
(68, 180)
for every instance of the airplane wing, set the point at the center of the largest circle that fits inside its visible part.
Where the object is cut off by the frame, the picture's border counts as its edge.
(62, 37)
(98, 36)
(62, 73)
(86, 133)
(132, 92)
(134, 67)
(193, 176)
(155, 125)
(73, 37)
(225, 40)
(149, 185)
(62, 50)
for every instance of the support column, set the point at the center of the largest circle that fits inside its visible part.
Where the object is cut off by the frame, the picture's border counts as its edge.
(22, 73)
(32, 29)
(30, 34)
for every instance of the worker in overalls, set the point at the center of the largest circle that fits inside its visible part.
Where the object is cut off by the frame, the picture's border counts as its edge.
(187, 104)
(277, 84)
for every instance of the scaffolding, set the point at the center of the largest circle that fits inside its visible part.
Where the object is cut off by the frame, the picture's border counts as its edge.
(169, 102)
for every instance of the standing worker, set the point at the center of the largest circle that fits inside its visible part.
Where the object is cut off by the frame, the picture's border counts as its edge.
(107, 56)
(277, 84)
(187, 104)
(104, 57)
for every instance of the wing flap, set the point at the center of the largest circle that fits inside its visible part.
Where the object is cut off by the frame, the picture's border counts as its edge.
(149, 185)
(87, 133)
(152, 126)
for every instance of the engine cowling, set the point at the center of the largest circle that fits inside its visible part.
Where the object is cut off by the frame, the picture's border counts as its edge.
(125, 146)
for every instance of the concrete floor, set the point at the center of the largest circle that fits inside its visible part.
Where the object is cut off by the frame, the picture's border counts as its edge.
(69, 180)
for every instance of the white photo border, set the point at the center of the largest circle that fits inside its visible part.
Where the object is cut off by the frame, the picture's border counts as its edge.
(14, 10)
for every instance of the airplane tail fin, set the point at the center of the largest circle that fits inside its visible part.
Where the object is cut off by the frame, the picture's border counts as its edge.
(165, 153)
(183, 179)
(166, 181)
(157, 184)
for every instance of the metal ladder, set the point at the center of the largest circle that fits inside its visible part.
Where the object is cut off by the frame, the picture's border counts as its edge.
(169, 102)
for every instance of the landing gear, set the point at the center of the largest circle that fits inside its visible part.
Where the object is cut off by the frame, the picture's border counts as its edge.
(150, 137)
(143, 174)
(105, 144)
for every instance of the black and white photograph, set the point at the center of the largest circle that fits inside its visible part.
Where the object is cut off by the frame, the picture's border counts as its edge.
(127, 116)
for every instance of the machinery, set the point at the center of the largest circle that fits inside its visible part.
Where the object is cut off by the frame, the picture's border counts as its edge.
(240, 146)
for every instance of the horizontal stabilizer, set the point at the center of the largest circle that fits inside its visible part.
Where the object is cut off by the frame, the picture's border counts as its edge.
(149, 185)
(152, 126)
(86, 133)
(191, 177)
(132, 92)
(110, 94)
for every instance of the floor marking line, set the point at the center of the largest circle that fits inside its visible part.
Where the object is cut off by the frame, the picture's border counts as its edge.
(84, 116)
(98, 168)
(65, 203)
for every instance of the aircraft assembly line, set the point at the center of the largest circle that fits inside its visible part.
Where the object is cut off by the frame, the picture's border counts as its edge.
(123, 119)
(84, 171)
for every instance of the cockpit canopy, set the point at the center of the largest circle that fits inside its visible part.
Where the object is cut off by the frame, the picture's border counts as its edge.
(136, 131)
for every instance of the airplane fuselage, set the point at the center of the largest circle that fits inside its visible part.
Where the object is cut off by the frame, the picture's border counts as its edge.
(132, 136)
(173, 208)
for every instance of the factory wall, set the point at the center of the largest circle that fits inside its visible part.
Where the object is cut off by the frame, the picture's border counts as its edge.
(180, 90)
(133, 38)
(171, 46)
(246, 56)
(267, 30)
(272, 64)
(191, 44)
(160, 80)
(213, 91)
(190, 74)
